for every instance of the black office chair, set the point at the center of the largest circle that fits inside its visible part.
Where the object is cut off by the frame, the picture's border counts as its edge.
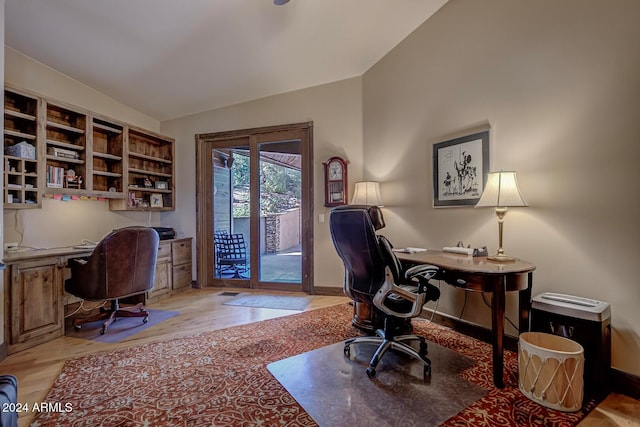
(374, 275)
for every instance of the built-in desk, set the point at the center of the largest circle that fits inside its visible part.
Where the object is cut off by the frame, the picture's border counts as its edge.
(34, 295)
(480, 274)
(34, 288)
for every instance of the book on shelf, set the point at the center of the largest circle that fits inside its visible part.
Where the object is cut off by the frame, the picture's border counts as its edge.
(61, 152)
(55, 177)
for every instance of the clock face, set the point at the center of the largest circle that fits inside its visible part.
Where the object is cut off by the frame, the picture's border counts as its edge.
(335, 170)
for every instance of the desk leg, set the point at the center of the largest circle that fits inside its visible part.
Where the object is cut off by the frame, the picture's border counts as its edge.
(524, 305)
(497, 326)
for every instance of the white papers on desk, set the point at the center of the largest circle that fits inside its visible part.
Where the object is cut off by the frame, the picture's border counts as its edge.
(85, 246)
(409, 250)
(458, 250)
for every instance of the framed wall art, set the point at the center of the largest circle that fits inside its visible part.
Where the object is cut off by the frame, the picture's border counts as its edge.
(460, 170)
(156, 200)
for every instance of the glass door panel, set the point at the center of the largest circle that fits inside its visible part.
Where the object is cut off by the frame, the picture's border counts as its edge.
(280, 229)
(231, 213)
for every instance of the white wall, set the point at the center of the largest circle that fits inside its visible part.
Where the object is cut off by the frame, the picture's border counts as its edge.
(558, 84)
(26, 73)
(336, 112)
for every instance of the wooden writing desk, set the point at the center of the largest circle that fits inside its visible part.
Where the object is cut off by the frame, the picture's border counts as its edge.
(34, 288)
(480, 274)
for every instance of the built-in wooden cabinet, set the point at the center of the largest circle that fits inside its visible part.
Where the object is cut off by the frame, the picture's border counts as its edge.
(162, 283)
(150, 172)
(181, 264)
(23, 183)
(107, 158)
(55, 148)
(34, 303)
(66, 153)
(173, 268)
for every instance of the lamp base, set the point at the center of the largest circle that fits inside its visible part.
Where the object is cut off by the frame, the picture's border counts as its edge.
(501, 258)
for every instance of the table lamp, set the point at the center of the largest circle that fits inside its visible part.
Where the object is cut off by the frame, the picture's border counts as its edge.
(367, 193)
(501, 192)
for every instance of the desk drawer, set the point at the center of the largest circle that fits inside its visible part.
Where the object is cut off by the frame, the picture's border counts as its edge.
(182, 276)
(483, 282)
(181, 252)
(462, 280)
(164, 251)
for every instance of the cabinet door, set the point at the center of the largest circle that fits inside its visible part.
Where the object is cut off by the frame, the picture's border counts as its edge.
(162, 284)
(182, 276)
(37, 309)
(181, 257)
(181, 251)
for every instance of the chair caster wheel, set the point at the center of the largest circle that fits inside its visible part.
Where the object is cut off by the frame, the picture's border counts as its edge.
(103, 330)
(347, 350)
(424, 349)
(77, 327)
(427, 370)
(145, 319)
(371, 372)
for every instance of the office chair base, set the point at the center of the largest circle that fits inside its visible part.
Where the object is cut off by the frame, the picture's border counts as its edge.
(398, 343)
(111, 315)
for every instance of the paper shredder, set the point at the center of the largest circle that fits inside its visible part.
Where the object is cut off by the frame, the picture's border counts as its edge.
(585, 321)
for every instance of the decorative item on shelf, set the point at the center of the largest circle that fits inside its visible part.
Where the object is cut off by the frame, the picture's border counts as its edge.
(22, 149)
(161, 185)
(148, 183)
(335, 182)
(156, 200)
(367, 193)
(502, 191)
(72, 180)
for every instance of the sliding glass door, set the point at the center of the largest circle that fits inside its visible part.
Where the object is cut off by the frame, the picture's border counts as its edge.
(258, 193)
(280, 212)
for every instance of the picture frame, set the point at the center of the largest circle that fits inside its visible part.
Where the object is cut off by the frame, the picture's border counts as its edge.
(460, 170)
(161, 185)
(155, 200)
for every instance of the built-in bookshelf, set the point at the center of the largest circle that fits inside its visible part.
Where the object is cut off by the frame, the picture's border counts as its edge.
(59, 149)
(22, 183)
(66, 153)
(107, 167)
(150, 172)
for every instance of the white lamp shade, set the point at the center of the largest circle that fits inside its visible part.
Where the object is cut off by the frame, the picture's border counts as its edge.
(367, 193)
(501, 190)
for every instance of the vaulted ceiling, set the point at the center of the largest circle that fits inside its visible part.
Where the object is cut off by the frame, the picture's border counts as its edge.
(171, 58)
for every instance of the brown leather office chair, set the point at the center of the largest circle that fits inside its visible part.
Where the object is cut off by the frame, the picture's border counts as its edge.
(123, 264)
(374, 275)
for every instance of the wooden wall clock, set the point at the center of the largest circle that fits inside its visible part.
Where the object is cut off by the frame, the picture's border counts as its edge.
(335, 182)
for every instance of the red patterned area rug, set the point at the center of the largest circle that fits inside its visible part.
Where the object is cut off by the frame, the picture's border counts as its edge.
(220, 378)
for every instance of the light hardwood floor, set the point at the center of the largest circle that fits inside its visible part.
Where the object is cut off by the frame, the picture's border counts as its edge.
(203, 310)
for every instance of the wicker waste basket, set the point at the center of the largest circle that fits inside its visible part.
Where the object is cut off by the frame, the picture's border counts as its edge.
(550, 370)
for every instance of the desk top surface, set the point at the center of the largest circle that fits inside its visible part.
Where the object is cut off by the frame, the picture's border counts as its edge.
(466, 263)
(12, 257)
